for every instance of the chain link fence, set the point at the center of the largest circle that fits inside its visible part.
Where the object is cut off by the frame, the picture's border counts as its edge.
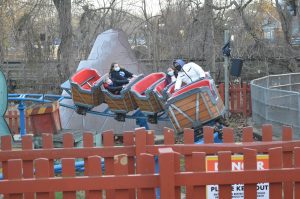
(276, 101)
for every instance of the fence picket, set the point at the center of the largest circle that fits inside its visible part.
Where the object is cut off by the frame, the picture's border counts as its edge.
(88, 141)
(42, 171)
(147, 163)
(228, 136)
(121, 168)
(250, 163)
(275, 161)
(14, 173)
(47, 142)
(128, 140)
(167, 171)
(297, 165)
(224, 164)
(208, 134)
(68, 140)
(287, 135)
(267, 132)
(27, 144)
(68, 170)
(188, 137)
(168, 136)
(108, 141)
(199, 166)
(94, 169)
(247, 134)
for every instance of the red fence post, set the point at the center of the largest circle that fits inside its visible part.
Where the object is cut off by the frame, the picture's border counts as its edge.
(208, 134)
(94, 169)
(42, 171)
(108, 141)
(250, 163)
(147, 166)
(287, 135)
(14, 173)
(267, 132)
(6, 145)
(232, 91)
(198, 159)
(47, 140)
(297, 165)
(224, 164)
(238, 96)
(121, 168)
(275, 160)
(245, 102)
(68, 170)
(188, 139)
(247, 134)
(27, 164)
(167, 171)
(88, 142)
(128, 140)
(68, 140)
(169, 138)
(228, 136)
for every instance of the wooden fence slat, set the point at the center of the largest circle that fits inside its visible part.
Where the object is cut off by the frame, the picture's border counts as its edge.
(232, 97)
(224, 164)
(47, 142)
(228, 136)
(247, 134)
(16, 122)
(167, 171)
(199, 165)
(147, 164)
(108, 141)
(94, 169)
(188, 137)
(121, 168)
(238, 94)
(14, 173)
(68, 140)
(250, 163)
(168, 136)
(208, 134)
(27, 144)
(287, 135)
(6, 145)
(68, 170)
(42, 171)
(150, 137)
(177, 169)
(297, 165)
(88, 142)
(267, 132)
(245, 102)
(128, 140)
(275, 161)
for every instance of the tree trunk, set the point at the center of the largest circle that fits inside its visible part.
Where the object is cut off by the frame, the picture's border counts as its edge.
(209, 51)
(65, 55)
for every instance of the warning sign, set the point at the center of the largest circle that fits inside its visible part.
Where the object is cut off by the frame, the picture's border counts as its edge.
(238, 165)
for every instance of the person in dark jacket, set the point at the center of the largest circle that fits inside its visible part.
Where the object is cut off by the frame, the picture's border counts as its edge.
(109, 85)
(119, 75)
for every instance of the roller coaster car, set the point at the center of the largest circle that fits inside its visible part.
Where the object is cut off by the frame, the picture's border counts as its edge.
(86, 90)
(145, 98)
(121, 103)
(161, 92)
(194, 105)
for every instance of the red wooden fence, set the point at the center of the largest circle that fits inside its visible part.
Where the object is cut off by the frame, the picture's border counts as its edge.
(12, 118)
(239, 98)
(121, 178)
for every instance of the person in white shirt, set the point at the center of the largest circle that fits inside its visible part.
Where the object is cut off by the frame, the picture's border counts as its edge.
(187, 73)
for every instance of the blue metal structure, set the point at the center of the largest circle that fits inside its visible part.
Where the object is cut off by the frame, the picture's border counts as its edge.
(140, 118)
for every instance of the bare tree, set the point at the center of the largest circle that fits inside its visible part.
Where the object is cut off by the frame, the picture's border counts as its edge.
(63, 8)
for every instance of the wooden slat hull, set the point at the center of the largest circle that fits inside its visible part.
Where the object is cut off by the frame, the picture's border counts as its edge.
(194, 108)
(120, 104)
(87, 99)
(148, 104)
